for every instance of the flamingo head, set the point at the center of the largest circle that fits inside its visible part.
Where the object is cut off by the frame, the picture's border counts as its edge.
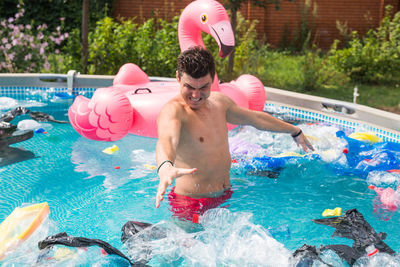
(210, 17)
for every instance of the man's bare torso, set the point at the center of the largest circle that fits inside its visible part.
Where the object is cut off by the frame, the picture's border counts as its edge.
(204, 145)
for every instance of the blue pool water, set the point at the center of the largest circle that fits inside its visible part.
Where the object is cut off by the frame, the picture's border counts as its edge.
(89, 197)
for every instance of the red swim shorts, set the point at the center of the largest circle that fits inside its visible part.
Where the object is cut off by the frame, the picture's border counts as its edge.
(189, 208)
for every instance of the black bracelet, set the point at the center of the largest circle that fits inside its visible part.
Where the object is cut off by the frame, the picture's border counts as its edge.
(299, 133)
(162, 163)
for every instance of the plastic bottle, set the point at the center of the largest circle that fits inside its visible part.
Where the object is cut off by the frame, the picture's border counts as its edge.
(375, 258)
(368, 259)
(371, 250)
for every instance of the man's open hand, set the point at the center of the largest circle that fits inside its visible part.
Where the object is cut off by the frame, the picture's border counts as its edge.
(302, 141)
(167, 174)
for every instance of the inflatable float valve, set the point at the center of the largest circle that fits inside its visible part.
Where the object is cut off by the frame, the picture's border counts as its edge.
(334, 212)
(345, 150)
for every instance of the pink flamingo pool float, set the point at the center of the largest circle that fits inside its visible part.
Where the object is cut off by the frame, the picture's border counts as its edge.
(133, 103)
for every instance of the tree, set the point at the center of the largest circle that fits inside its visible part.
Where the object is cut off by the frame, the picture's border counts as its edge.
(234, 6)
(85, 33)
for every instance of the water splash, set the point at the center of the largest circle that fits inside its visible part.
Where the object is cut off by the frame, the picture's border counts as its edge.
(227, 239)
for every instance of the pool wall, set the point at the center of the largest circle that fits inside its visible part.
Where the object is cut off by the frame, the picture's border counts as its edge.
(299, 106)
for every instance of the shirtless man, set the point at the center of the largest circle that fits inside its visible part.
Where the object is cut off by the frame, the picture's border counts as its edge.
(193, 134)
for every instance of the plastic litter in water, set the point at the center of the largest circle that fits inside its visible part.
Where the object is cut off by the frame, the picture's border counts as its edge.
(111, 150)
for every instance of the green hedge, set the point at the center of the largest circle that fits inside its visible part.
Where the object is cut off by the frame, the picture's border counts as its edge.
(375, 58)
(49, 12)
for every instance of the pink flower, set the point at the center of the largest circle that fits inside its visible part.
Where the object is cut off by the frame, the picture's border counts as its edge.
(28, 57)
(46, 65)
(8, 46)
(28, 27)
(41, 51)
(4, 40)
(62, 19)
(11, 20)
(11, 56)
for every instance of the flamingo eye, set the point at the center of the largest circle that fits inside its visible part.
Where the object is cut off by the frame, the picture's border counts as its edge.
(203, 18)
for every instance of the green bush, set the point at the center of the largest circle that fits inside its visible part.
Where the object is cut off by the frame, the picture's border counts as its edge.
(153, 46)
(157, 46)
(70, 59)
(49, 12)
(111, 45)
(374, 58)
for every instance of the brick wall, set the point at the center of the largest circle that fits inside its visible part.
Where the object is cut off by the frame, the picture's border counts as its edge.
(277, 25)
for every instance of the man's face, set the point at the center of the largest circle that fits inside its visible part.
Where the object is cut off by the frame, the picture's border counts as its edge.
(195, 91)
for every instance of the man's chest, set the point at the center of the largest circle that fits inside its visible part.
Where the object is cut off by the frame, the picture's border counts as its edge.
(204, 129)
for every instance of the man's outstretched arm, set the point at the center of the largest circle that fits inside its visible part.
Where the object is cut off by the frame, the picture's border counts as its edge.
(263, 121)
(169, 127)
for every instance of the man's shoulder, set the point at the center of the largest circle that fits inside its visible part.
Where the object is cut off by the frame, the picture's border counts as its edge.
(175, 105)
(218, 96)
(221, 98)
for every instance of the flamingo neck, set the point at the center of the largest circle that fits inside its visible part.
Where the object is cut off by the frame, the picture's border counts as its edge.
(190, 35)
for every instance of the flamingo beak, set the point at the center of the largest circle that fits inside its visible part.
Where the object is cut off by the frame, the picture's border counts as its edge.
(223, 34)
(225, 50)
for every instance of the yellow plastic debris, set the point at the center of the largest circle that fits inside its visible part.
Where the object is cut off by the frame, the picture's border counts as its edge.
(63, 253)
(21, 224)
(111, 150)
(366, 136)
(150, 167)
(334, 212)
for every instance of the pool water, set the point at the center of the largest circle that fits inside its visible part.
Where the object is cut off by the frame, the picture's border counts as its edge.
(93, 194)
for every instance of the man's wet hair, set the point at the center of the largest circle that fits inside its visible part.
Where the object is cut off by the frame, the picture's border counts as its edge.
(197, 62)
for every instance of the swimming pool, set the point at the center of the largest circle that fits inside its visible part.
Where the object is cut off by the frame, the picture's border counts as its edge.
(93, 194)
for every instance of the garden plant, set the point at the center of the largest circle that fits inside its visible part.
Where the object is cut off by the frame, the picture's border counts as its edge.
(370, 62)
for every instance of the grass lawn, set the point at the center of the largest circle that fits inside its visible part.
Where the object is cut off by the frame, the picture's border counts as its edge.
(285, 71)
